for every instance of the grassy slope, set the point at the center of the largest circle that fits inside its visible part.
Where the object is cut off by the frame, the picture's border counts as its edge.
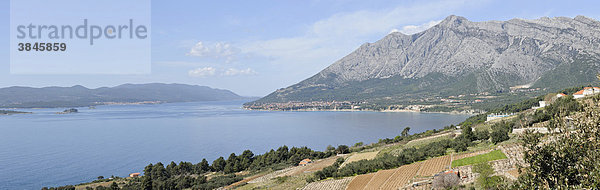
(493, 155)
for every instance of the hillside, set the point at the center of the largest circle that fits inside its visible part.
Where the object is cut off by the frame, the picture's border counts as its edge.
(554, 147)
(458, 57)
(27, 97)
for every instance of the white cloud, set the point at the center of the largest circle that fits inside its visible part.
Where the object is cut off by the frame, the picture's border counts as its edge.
(413, 29)
(234, 72)
(219, 50)
(181, 63)
(211, 71)
(394, 30)
(202, 72)
(328, 40)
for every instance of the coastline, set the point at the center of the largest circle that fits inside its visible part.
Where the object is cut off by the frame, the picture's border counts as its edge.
(471, 112)
(8, 112)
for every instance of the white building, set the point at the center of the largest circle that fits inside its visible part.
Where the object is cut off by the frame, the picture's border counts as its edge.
(586, 92)
(542, 104)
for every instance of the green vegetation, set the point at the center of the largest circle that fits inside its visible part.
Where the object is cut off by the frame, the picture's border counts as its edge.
(405, 131)
(483, 158)
(561, 107)
(187, 175)
(500, 131)
(387, 161)
(481, 134)
(567, 158)
(327, 171)
(567, 104)
(485, 179)
(358, 144)
(342, 149)
(476, 119)
(407, 155)
(408, 138)
(582, 71)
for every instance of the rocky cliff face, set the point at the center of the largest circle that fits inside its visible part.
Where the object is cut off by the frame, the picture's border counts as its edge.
(482, 56)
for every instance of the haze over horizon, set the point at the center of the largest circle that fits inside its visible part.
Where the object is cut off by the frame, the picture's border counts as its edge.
(245, 46)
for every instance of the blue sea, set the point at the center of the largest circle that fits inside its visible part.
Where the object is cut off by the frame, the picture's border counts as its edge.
(49, 149)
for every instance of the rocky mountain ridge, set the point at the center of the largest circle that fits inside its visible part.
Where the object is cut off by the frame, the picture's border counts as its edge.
(477, 57)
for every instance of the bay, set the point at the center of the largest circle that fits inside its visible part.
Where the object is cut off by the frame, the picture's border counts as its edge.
(49, 149)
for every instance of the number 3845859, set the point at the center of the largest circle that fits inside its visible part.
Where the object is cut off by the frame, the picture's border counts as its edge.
(42, 46)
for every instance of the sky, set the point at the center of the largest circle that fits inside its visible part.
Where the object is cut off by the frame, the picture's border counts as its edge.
(255, 47)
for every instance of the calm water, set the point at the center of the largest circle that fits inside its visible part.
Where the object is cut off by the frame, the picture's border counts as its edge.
(47, 149)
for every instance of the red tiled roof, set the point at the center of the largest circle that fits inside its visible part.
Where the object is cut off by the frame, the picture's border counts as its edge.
(305, 161)
(579, 92)
(585, 88)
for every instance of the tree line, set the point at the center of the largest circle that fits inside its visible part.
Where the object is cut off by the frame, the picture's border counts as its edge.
(413, 154)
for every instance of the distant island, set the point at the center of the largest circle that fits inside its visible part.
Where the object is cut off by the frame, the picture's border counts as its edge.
(67, 111)
(80, 96)
(9, 112)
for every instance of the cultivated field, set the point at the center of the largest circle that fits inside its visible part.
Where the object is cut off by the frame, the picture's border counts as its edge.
(271, 175)
(402, 176)
(429, 139)
(379, 179)
(280, 183)
(359, 182)
(296, 170)
(470, 154)
(316, 166)
(434, 166)
(332, 184)
(360, 156)
(231, 186)
(493, 155)
(386, 179)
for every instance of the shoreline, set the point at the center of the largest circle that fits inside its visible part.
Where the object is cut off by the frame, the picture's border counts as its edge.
(355, 110)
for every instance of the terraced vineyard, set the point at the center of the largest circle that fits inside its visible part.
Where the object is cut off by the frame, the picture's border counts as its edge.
(429, 139)
(297, 170)
(379, 179)
(402, 176)
(360, 182)
(231, 186)
(386, 179)
(470, 154)
(271, 175)
(315, 166)
(361, 156)
(332, 184)
(435, 165)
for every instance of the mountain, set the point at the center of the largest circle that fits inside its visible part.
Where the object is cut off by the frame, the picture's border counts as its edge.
(25, 97)
(458, 57)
